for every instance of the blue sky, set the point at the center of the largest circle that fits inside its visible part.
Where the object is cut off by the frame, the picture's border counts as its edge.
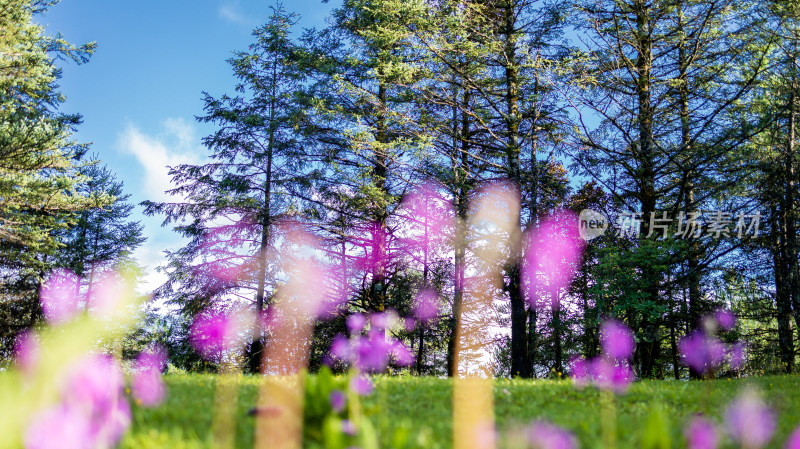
(142, 89)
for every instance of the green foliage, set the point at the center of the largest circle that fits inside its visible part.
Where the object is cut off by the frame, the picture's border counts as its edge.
(416, 412)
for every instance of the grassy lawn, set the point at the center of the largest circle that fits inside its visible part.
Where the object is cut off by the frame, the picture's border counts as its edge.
(423, 405)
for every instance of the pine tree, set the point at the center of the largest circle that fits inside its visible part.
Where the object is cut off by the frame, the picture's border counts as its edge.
(39, 160)
(233, 201)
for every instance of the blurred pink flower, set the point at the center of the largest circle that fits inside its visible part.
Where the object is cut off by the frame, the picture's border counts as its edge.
(338, 400)
(59, 428)
(793, 442)
(616, 340)
(107, 295)
(379, 321)
(750, 421)
(701, 434)
(26, 351)
(426, 305)
(361, 384)
(544, 435)
(552, 253)
(581, 371)
(402, 356)
(356, 323)
(726, 319)
(736, 355)
(94, 387)
(59, 296)
(611, 376)
(212, 334)
(147, 386)
(341, 348)
(701, 352)
(348, 427)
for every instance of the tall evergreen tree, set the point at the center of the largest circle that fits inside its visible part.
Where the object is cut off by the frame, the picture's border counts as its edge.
(233, 201)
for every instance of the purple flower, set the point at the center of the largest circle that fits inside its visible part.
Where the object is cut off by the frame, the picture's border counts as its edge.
(361, 385)
(701, 352)
(341, 348)
(402, 356)
(581, 371)
(793, 442)
(726, 319)
(95, 388)
(147, 386)
(701, 434)
(59, 428)
(616, 340)
(355, 323)
(410, 324)
(373, 352)
(426, 305)
(348, 427)
(26, 351)
(59, 296)
(749, 421)
(551, 255)
(338, 401)
(212, 334)
(737, 356)
(611, 376)
(543, 435)
(379, 321)
(107, 296)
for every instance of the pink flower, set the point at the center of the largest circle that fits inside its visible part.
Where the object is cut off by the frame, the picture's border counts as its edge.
(59, 296)
(379, 321)
(341, 348)
(737, 356)
(356, 323)
(338, 400)
(212, 334)
(726, 319)
(553, 252)
(544, 435)
(402, 356)
(59, 428)
(348, 427)
(94, 388)
(611, 376)
(793, 442)
(581, 371)
(361, 385)
(749, 421)
(701, 434)
(26, 351)
(701, 352)
(616, 340)
(107, 296)
(426, 305)
(148, 387)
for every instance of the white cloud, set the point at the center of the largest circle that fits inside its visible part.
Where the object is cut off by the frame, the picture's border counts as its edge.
(231, 10)
(177, 145)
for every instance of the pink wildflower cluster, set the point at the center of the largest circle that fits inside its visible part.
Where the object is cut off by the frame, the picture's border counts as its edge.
(749, 423)
(610, 370)
(369, 351)
(702, 351)
(93, 410)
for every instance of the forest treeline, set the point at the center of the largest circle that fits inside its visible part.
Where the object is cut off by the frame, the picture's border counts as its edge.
(675, 120)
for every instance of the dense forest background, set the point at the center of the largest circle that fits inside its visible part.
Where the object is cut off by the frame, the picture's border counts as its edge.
(378, 133)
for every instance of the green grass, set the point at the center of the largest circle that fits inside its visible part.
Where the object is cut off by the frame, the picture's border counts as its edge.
(423, 405)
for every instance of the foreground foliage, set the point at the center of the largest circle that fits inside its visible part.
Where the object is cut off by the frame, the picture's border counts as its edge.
(421, 408)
